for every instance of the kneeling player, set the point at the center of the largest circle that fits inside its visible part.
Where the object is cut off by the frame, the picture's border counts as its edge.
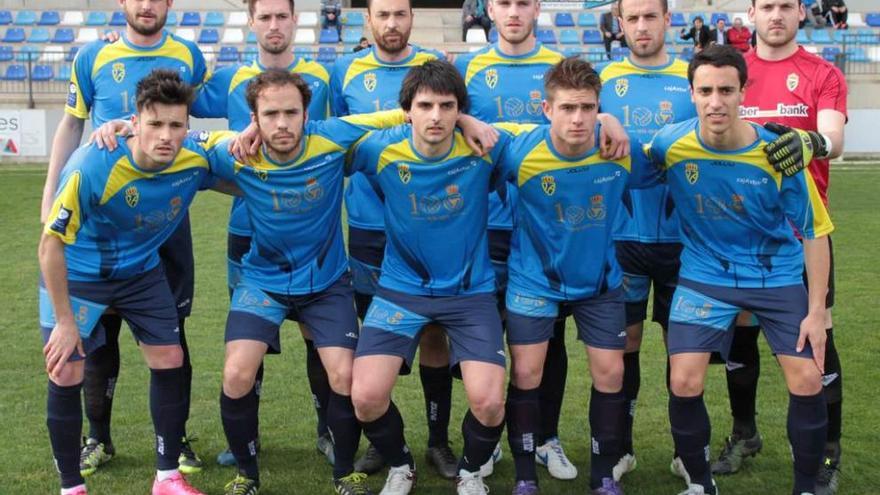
(740, 254)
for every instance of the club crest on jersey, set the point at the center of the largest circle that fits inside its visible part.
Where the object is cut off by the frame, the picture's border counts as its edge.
(453, 201)
(691, 172)
(118, 72)
(404, 173)
(597, 207)
(792, 81)
(535, 99)
(132, 196)
(314, 191)
(665, 115)
(370, 82)
(491, 78)
(548, 184)
(621, 86)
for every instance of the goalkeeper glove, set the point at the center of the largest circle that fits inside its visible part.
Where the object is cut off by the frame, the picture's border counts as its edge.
(794, 149)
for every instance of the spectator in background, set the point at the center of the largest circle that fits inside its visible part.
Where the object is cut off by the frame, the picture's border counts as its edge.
(473, 13)
(330, 11)
(363, 44)
(718, 35)
(739, 36)
(813, 10)
(699, 33)
(609, 25)
(838, 12)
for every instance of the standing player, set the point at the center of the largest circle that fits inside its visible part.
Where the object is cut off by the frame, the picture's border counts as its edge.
(645, 91)
(99, 250)
(102, 87)
(740, 254)
(803, 91)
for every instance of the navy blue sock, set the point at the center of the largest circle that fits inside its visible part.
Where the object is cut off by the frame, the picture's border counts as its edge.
(64, 419)
(691, 432)
(807, 432)
(240, 423)
(632, 378)
(386, 434)
(319, 384)
(833, 390)
(346, 431)
(99, 384)
(479, 442)
(607, 420)
(523, 421)
(552, 386)
(187, 371)
(168, 409)
(437, 385)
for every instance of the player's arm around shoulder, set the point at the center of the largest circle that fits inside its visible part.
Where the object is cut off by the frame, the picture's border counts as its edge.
(215, 147)
(212, 97)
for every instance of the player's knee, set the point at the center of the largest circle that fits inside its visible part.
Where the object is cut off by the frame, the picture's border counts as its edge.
(71, 374)
(526, 375)
(607, 374)
(685, 383)
(369, 403)
(339, 376)
(488, 408)
(238, 380)
(163, 357)
(804, 379)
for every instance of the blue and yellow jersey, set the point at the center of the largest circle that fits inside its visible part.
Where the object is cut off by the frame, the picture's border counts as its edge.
(362, 83)
(295, 207)
(736, 211)
(506, 88)
(435, 214)
(644, 99)
(223, 96)
(113, 215)
(562, 246)
(104, 78)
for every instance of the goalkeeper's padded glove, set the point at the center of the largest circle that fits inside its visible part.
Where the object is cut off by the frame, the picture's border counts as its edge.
(794, 149)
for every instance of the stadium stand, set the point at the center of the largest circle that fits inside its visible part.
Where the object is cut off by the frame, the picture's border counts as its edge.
(564, 19)
(171, 21)
(214, 19)
(191, 19)
(25, 18)
(39, 35)
(117, 19)
(237, 19)
(42, 73)
(6, 54)
(307, 19)
(476, 36)
(72, 18)
(232, 36)
(209, 36)
(63, 35)
(228, 54)
(186, 33)
(5, 17)
(587, 19)
(14, 35)
(592, 36)
(96, 18)
(49, 18)
(328, 36)
(15, 72)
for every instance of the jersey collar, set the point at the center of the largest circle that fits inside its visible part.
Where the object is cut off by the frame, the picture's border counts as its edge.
(557, 154)
(292, 66)
(427, 159)
(144, 48)
(651, 67)
(503, 55)
(414, 50)
(744, 149)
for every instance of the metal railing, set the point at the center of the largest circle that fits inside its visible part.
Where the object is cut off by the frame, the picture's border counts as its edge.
(859, 54)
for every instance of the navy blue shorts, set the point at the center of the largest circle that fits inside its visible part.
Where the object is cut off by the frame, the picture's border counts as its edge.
(499, 251)
(236, 247)
(177, 258)
(599, 319)
(703, 317)
(395, 320)
(645, 265)
(256, 314)
(145, 302)
(366, 250)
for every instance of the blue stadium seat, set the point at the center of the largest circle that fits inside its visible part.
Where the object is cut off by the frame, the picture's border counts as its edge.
(856, 55)
(569, 37)
(822, 37)
(592, 36)
(587, 19)
(802, 37)
(867, 36)
(63, 35)
(49, 18)
(5, 17)
(171, 20)
(27, 52)
(303, 51)
(63, 73)
(13, 35)
(687, 53)
(618, 53)
(327, 54)
(15, 72)
(720, 15)
(118, 19)
(669, 38)
(39, 35)
(329, 36)
(873, 19)
(596, 54)
(228, 54)
(572, 51)
(250, 54)
(493, 35)
(42, 73)
(191, 19)
(25, 18)
(214, 19)
(251, 38)
(352, 19)
(564, 19)
(6, 53)
(96, 18)
(678, 20)
(71, 54)
(351, 36)
(830, 53)
(209, 36)
(547, 36)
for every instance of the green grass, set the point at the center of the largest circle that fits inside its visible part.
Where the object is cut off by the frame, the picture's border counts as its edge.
(289, 461)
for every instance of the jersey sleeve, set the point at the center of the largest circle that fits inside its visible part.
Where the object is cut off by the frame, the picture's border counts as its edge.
(345, 131)
(654, 151)
(220, 161)
(200, 68)
(337, 98)
(212, 98)
(363, 156)
(804, 207)
(832, 94)
(644, 172)
(68, 209)
(81, 91)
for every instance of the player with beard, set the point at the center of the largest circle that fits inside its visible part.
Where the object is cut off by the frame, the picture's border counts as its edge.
(102, 88)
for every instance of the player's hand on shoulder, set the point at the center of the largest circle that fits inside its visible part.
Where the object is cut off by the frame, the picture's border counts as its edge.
(480, 136)
(111, 36)
(63, 342)
(613, 139)
(246, 145)
(107, 135)
(794, 149)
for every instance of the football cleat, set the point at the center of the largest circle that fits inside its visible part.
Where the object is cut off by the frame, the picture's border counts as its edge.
(443, 460)
(487, 469)
(551, 455)
(736, 449)
(524, 487)
(353, 484)
(241, 485)
(188, 461)
(371, 462)
(827, 481)
(677, 468)
(626, 464)
(400, 480)
(174, 485)
(325, 447)
(93, 455)
(610, 486)
(470, 483)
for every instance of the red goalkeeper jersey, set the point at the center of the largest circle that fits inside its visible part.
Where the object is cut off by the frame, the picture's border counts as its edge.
(792, 91)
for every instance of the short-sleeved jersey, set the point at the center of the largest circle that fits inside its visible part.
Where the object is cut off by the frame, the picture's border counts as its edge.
(644, 99)
(104, 78)
(113, 215)
(506, 88)
(562, 246)
(360, 83)
(223, 96)
(793, 91)
(295, 207)
(435, 214)
(736, 211)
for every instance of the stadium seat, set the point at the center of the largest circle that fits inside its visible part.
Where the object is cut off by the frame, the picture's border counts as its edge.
(855, 20)
(27, 52)
(228, 54)
(544, 20)
(595, 54)
(669, 38)
(42, 73)
(307, 19)
(493, 35)
(856, 55)
(720, 15)
(874, 54)
(186, 33)
(96, 18)
(687, 53)
(232, 36)
(872, 19)
(86, 35)
(475, 36)
(237, 19)
(304, 37)
(5, 17)
(15, 72)
(592, 36)
(171, 20)
(72, 18)
(564, 19)
(252, 38)
(25, 18)
(191, 19)
(326, 54)
(207, 52)
(546, 36)
(822, 37)
(52, 53)
(830, 53)
(6, 53)
(13, 35)
(329, 36)
(812, 49)
(39, 35)
(303, 51)
(63, 35)
(587, 19)
(802, 37)
(867, 36)
(618, 53)
(351, 36)
(678, 20)
(250, 54)
(352, 19)
(569, 37)
(71, 54)
(214, 19)
(572, 51)
(49, 18)
(208, 36)
(117, 18)
(63, 73)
